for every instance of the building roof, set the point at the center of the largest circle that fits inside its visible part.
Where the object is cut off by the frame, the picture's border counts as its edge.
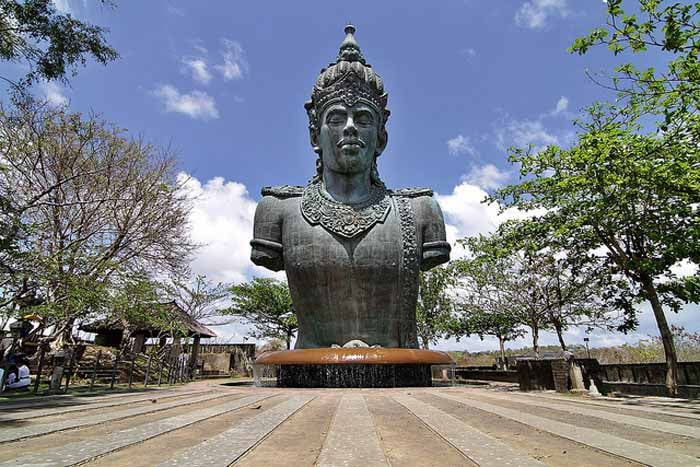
(173, 312)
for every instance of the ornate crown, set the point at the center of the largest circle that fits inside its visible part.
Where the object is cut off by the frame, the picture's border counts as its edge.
(350, 79)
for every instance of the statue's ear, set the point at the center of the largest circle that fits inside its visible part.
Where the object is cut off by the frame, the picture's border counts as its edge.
(382, 139)
(313, 137)
(313, 131)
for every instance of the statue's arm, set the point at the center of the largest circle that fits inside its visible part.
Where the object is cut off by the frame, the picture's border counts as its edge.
(435, 248)
(267, 234)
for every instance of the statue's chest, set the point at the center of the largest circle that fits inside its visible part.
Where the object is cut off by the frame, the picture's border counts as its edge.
(312, 249)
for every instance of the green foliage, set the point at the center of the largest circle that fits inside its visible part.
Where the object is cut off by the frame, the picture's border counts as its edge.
(90, 209)
(672, 93)
(633, 195)
(266, 304)
(199, 297)
(487, 281)
(434, 308)
(50, 43)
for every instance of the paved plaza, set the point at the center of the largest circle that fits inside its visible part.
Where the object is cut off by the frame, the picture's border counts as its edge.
(210, 424)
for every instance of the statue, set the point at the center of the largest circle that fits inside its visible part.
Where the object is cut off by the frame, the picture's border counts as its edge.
(351, 248)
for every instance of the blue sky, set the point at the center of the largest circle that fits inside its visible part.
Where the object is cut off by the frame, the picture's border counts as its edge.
(223, 84)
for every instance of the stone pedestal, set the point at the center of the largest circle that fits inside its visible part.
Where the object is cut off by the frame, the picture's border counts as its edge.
(349, 367)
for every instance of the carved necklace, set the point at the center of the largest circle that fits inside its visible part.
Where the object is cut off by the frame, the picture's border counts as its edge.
(346, 220)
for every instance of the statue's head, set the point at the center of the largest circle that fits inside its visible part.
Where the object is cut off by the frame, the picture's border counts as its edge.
(347, 114)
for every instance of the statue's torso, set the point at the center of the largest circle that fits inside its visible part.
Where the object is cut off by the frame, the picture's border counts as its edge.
(347, 288)
(352, 272)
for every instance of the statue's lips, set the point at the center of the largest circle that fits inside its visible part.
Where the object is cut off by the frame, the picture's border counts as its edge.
(351, 142)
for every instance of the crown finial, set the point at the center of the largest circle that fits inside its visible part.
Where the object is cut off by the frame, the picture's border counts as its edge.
(349, 49)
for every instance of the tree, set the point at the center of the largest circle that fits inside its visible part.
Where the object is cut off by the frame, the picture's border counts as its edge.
(434, 308)
(485, 285)
(92, 208)
(49, 43)
(266, 304)
(672, 94)
(629, 193)
(200, 298)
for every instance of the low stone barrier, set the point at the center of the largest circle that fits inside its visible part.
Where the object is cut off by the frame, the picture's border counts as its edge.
(478, 373)
(648, 379)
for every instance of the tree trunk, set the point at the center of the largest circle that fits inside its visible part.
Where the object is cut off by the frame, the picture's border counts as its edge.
(502, 347)
(560, 335)
(535, 341)
(666, 337)
(424, 343)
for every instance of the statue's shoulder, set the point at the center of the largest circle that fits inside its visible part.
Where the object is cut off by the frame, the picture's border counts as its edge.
(411, 192)
(283, 191)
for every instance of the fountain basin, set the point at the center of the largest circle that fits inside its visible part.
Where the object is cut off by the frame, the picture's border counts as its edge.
(350, 367)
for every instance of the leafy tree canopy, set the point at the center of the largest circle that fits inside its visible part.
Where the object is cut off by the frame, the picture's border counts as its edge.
(51, 44)
(266, 304)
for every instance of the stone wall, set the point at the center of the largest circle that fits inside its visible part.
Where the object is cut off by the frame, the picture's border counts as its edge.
(485, 374)
(648, 379)
(535, 375)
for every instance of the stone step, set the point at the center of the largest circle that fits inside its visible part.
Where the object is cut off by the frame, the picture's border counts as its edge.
(227, 447)
(352, 439)
(33, 430)
(83, 451)
(610, 444)
(484, 450)
(89, 405)
(656, 425)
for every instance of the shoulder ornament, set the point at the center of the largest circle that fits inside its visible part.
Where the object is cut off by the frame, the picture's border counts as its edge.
(283, 191)
(411, 192)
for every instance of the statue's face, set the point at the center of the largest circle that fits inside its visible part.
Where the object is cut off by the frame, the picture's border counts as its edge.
(348, 137)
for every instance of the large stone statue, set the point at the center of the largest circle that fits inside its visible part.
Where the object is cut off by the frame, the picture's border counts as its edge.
(351, 248)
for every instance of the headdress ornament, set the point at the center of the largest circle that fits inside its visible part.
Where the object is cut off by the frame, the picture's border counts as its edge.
(350, 79)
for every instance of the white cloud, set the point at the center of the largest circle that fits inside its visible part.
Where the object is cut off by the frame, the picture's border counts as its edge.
(222, 221)
(196, 104)
(234, 65)
(54, 94)
(63, 6)
(173, 10)
(487, 176)
(523, 133)
(466, 215)
(535, 13)
(461, 145)
(197, 67)
(562, 106)
(469, 52)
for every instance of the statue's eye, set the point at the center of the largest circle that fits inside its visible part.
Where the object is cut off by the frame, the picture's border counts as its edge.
(364, 119)
(336, 119)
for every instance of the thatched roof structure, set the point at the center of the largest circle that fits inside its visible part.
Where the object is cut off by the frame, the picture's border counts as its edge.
(170, 310)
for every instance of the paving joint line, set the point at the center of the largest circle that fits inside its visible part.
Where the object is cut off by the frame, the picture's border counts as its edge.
(118, 436)
(49, 431)
(55, 411)
(511, 457)
(629, 420)
(230, 446)
(609, 444)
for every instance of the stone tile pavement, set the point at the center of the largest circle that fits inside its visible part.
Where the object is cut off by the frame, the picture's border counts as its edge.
(210, 424)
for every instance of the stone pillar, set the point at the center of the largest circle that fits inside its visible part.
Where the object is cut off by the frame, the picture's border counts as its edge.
(194, 353)
(577, 383)
(560, 375)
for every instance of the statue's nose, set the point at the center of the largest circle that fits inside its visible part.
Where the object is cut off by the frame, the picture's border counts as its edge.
(350, 129)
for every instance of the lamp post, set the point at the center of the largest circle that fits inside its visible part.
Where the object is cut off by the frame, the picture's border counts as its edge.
(588, 351)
